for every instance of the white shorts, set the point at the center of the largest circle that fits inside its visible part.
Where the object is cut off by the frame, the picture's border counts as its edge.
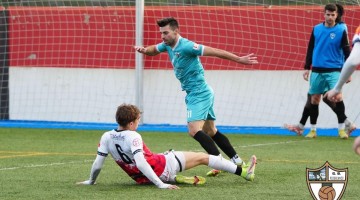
(175, 162)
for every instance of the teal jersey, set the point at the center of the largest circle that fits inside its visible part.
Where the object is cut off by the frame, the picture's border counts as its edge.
(186, 63)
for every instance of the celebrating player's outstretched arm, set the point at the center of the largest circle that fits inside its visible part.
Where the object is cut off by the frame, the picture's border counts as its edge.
(150, 50)
(249, 59)
(245, 60)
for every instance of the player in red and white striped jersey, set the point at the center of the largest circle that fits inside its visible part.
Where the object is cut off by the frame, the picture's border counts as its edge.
(127, 148)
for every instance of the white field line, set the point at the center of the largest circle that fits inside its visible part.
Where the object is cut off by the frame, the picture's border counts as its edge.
(28, 154)
(274, 143)
(265, 144)
(45, 165)
(86, 161)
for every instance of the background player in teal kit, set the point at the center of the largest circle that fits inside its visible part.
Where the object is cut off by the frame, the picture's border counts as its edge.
(184, 56)
(328, 47)
(349, 125)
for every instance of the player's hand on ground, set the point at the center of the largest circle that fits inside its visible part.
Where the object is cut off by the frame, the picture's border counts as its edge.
(333, 96)
(306, 75)
(87, 182)
(169, 186)
(249, 59)
(173, 187)
(140, 49)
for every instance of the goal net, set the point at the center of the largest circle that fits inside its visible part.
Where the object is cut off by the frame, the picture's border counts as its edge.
(73, 61)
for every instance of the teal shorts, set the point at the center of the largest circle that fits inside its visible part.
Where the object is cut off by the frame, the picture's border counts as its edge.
(200, 105)
(322, 82)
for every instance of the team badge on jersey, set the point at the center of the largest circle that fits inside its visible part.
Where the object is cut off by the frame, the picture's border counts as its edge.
(136, 142)
(332, 35)
(327, 182)
(196, 46)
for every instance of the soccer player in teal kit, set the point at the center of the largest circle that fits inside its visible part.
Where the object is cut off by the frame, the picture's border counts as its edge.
(184, 56)
(328, 47)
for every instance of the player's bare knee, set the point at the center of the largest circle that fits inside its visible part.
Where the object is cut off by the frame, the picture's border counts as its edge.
(209, 132)
(203, 158)
(315, 99)
(209, 128)
(206, 128)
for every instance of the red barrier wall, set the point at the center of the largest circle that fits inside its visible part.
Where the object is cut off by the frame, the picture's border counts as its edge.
(97, 37)
(71, 37)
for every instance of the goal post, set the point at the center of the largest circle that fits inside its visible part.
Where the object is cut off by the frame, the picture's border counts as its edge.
(139, 62)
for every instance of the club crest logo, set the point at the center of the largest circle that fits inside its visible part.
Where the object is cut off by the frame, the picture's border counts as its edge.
(332, 35)
(327, 182)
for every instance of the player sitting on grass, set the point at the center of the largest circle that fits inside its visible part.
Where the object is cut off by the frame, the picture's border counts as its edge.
(130, 152)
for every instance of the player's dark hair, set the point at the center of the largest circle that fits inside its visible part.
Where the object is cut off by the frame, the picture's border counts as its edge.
(168, 21)
(127, 113)
(330, 7)
(340, 11)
